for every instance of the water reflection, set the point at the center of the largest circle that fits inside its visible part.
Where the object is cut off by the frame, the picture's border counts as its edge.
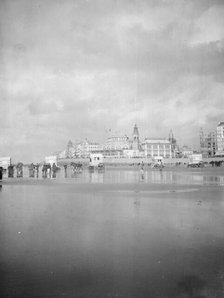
(133, 175)
(96, 177)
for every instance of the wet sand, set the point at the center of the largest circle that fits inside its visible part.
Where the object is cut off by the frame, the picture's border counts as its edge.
(113, 235)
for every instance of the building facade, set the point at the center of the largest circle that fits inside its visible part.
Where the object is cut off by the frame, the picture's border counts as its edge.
(117, 143)
(220, 138)
(186, 151)
(208, 143)
(157, 147)
(85, 148)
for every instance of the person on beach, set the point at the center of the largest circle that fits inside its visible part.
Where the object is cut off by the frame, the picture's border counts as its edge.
(10, 171)
(1, 172)
(160, 165)
(44, 171)
(31, 170)
(49, 171)
(19, 168)
(37, 170)
(65, 167)
(54, 169)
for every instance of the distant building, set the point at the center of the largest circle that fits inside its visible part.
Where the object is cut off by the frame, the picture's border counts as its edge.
(157, 147)
(220, 138)
(115, 146)
(84, 148)
(80, 149)
(208, 143)
(70, 150)
(186, 151)
(120, 142)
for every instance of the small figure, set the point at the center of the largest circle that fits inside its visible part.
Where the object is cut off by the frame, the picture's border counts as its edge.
(37, 170)
(31, 170)
(54, 170)
(19, 168)
(44, 171)
(65, 167)
(1, 172)
(49, 171)
(11, 171)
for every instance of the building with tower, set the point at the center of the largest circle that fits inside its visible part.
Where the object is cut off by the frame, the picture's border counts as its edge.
(174, 147)
(135, 138)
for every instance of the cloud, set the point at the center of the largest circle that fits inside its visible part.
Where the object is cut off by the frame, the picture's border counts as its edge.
(72, 69)
(210, 26)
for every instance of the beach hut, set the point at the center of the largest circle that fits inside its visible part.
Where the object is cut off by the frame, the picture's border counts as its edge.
(96, 161)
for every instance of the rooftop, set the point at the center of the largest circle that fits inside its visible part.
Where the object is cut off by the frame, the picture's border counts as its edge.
(221, 124)
(156, 141)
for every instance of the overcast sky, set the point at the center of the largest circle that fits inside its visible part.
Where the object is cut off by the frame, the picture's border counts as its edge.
(74, 69)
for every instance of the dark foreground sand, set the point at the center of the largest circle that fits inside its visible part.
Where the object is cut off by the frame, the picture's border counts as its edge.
(108, 238)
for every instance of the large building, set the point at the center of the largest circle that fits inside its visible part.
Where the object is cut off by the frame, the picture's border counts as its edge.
(119, 142)
(186, 151)
(208, 143)
(80, 149)
(157, 147)
(220, 138)
(121, 146)
(84, 148)
(115, 145)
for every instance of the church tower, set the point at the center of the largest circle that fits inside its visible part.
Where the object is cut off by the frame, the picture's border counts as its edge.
(135, 135)
(172, 140)
(173, 143)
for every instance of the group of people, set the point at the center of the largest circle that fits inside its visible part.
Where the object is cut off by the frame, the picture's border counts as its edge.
(76, 168)
(11, 169)
(48, 171)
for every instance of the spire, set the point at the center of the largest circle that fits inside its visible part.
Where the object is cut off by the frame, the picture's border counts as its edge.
(136, 143)
(135, 131)
(171, 134)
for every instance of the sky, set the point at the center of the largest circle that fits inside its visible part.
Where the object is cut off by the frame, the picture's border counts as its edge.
(76, 69)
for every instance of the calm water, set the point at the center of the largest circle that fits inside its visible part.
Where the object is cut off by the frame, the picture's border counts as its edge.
(113, 234)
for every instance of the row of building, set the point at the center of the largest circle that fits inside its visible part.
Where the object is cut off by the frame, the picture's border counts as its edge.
(211, 145)
(122, 146)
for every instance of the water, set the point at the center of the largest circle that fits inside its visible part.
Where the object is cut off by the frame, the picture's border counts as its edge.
(201, 176)
(113, 234)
